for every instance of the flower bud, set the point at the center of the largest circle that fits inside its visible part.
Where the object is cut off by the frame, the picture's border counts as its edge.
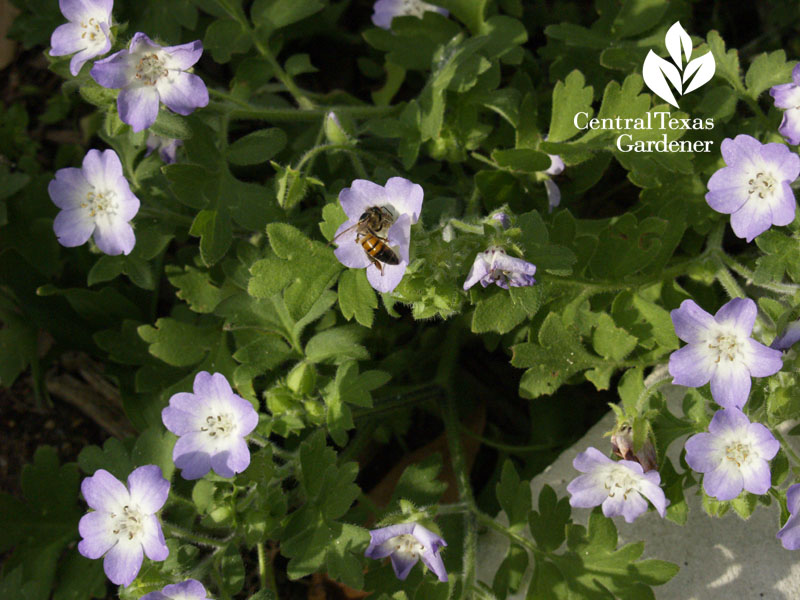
(335, 131)
(302, 378)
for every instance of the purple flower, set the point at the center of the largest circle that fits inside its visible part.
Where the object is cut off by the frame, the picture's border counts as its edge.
(95, 199)
(754, 186)
(397, 206)
(405, 544)
(502, 219)
(732, 455)
(553, 193)
(789, 535)
(87, 33)
(720, 350)
(616, 485)
(495, 266)
(191, 589)
(167, 147)
(211, 424)
(789, 337)
(386, 10)
(149, 73)
(787, 96)
(123, 522)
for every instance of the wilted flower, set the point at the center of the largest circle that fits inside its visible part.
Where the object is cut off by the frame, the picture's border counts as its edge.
(787, 96)
(503, 219)
(789, 337)
(191, 589)
(616, 485)
(149, 73)
(622, 445)
(754, 186)
(789, 535)
(383, 251)
(123, 522)
(405, 544)
(553, 193)
(95, 199)
(211, 424)
(386, 10)
(732, 455)
(86, 35)
(495, 266)
(720, 350)
(167, 147)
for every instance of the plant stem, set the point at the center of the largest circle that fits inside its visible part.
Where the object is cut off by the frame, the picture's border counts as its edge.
(507, 447)
(197, 538)
(786, 447)
(788, 289)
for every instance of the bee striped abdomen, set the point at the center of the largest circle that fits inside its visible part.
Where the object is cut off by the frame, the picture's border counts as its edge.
(379, 250)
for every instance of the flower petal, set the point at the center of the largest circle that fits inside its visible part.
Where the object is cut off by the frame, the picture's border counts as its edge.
(402, 564)
(350, 253)
(105, 492)
(784, 163)
(691, 322)
(433, 560)
(66, 39)
(756, 476)
(123, 561)
(651, 489)
(179, 421)
(741, 150)
(553, 194)
(361, 195)
(191, 589)
(96, 528)
(183, 56)
(587, 491)
(730, 384)
(751, 220)
(762, 441)
(762, 361)
(738, 314)
(69, 188)
(191, 455)
(789, 535)
(479, 270)
(399, 236)
(182, 92)
(730, 420)
(703, 453)
(390, 279)
(785, 95)
(590, 459)
(148, 488)
(378, 537)
(138, 107)
(724, 482)
(73, 227)
(793, 498)
(633, 507)
(155, 547)
(231, 461)
(405, 197)
(692, 366)
(113, 71)
(783, 206)
(245, 415)
(790, 126)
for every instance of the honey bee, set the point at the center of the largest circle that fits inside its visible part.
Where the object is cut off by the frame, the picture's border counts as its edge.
(373, 222)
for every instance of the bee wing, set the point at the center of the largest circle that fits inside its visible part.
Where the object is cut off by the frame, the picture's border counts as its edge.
(351, 228)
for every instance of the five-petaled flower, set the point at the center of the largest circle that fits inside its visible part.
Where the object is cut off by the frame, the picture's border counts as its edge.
(123, 522)
(787, 96)
(405, 544)
(95, 199)
(754, 188)
(191, 589)
(148, 73)
(616, 485)
(733, 454)
(789, 535)
(495, 266)
(383, 251)
(86, 35)
(211, 424)
(167, 147)
(720, 350)
(386, 10)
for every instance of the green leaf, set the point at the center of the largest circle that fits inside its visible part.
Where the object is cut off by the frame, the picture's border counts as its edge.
(274, 14)
(154, 447)
(514, 496)
(225, 37)
(337, 344)
(257, 147)
(469, 12)
(548, 524)
(231, 569)
(522, 159)
(569, 98)
(767, 70)
(195, 288)
(178, 344)
(297, 64)
(611, 341)
(420, 482)
(113, 457)
(497, 313)
(190, 183)
(213, 227)
(171, 125)
(727, 63)
(356, 297)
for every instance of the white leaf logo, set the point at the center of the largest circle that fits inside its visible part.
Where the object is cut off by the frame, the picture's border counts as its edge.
(659, 73)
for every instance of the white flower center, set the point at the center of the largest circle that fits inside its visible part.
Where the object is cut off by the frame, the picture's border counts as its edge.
(100, 204)
(150, 69)
(218, 426)
(127, 524)
(415, 8)
(92, 32)
(737, 452)
(407, 546)
(621, 481)
(726, 345)
(762, 185)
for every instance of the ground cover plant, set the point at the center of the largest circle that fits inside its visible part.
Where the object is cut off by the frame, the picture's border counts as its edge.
(356, 272)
